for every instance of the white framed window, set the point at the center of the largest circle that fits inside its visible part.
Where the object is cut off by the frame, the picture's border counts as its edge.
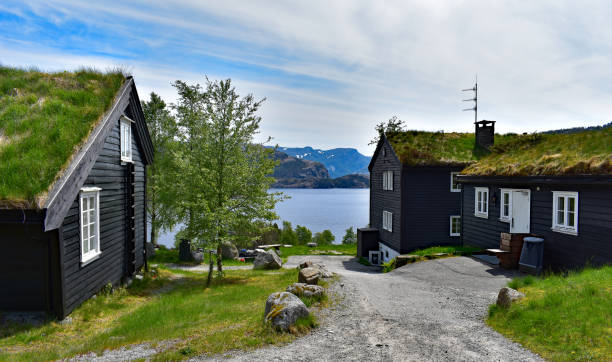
(505, 209)
(387, 221)
(454, 186)
(89, 207)
(126, 139)
(481, 202)
(387, 180)
(565, 212)
(455, 225)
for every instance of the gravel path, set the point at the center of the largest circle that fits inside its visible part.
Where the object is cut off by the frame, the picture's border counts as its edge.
(432, 310)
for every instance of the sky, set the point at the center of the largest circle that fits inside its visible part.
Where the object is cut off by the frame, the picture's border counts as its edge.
(331, 70)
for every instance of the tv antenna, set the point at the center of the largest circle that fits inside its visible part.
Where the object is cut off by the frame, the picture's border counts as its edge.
(475, 99)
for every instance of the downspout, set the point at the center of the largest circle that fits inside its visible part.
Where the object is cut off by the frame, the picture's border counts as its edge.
(461, 214)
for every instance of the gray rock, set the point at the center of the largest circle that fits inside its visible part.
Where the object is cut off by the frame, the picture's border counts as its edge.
(323, 270)
(306, 264)
(267, 260)
(508, 295)
(197, 256)
(283, 309)
(258, 250)
(306, 290)
(66, 321)
(309, 275)
(229, 251)
(312, 245)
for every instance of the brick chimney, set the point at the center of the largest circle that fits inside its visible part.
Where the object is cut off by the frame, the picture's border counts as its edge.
(485, 133)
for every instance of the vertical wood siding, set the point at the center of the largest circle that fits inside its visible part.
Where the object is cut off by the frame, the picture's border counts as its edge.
(428, 204)
(384, 199)
(561, 251)
(81, 282)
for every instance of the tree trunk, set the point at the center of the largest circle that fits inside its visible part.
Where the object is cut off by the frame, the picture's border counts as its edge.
(219, 260)
(210, 267)
(153, 231)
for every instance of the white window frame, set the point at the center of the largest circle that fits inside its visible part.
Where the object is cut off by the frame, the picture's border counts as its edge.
(125, 134)
(452, 179)
(84, 216)
(481, 209)
(453, 217)
(502, 217)
(388, 180)
(387, 221)
(565, 227)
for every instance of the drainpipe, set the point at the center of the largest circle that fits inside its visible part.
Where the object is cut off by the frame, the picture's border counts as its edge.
(461, 213)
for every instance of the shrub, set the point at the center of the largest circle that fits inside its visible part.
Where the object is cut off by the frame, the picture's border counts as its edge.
(349, 237)
(304, 236)
(324, 238)
(287, 235)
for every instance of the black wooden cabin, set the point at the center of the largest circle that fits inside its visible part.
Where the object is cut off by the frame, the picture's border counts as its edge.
(91, 229)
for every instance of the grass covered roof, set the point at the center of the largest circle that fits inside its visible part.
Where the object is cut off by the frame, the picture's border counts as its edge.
(587, 152)
(44, 119)
(420, 148)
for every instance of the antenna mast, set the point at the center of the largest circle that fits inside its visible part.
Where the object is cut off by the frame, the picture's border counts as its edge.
(475, 99)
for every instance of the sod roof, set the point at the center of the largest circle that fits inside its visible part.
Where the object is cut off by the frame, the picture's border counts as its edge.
(44, 119)
(587, 152)
(419, 148)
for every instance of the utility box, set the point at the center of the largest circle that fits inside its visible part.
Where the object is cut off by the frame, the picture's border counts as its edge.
(532, 255)
(367, 240)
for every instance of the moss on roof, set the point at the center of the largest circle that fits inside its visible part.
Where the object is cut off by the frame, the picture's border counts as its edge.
(548, 154)
(44, 119)
(419, 148)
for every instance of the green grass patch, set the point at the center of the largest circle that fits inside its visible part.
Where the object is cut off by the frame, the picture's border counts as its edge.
(44, 117)
(228, 315)
(562, 317)
(332, 249)
(430, 253)
(364, 261)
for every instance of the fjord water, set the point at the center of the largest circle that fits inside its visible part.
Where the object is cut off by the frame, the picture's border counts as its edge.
(317, 209)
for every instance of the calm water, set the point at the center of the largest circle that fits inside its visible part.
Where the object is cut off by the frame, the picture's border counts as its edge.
(317, 209)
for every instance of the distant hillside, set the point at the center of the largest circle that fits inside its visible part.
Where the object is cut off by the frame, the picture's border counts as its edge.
(294, 172)
(338, 161)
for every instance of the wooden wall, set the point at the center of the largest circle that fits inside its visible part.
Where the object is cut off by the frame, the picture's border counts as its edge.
(384, 199)
(561, 251)
(428, 204)
(83, 281)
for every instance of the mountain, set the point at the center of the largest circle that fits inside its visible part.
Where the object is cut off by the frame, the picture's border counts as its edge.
(293, 172)
(338, 161)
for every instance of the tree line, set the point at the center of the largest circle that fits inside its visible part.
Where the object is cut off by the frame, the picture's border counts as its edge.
(301, 235)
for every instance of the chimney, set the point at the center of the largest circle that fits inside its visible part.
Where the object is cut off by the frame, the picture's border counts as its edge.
(485, 133)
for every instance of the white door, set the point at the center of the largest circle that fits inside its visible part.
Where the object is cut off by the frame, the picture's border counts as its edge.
(521, 211)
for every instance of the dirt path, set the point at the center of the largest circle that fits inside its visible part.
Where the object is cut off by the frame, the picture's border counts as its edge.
(431, 310)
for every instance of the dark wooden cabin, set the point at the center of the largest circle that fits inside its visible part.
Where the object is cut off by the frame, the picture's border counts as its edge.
(88, 228)
(549, 185)
(415, 201)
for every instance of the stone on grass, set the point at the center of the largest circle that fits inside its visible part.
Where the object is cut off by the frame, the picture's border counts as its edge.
(283, 309)
(312, 245)
(309, 275)
(306, 264)
(228, 251)
(306, 290)
(323, 270)
(267, 260)
(508, 295)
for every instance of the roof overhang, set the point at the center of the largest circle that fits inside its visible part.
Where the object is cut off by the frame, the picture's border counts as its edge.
(599, 180)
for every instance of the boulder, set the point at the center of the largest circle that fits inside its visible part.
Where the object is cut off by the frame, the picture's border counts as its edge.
(508, 295)
(309, 275)
(312, 245)
(306, 264)
(229, 251)
(257, 251)
(323, 270)
(283, 309)
(306, 290)
(267, 260)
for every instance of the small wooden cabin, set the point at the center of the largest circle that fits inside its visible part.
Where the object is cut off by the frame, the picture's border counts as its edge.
(554, 185)
(74, 147)
(415, 201)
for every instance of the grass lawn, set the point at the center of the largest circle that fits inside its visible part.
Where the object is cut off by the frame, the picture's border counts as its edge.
(561, 317)
(333, 249)
(226, 316)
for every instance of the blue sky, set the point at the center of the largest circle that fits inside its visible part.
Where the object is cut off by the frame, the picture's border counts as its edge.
(331, 70)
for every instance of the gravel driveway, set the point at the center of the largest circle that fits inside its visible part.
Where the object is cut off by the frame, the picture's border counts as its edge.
(432, 310)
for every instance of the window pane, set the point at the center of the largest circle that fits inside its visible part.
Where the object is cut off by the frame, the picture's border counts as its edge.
(84, 237)
(506, 211)
(560, 217)
(485, 201)
(92, 216)
(571, 203)
(84, 204)
(571, 218)
(92, 230)
(560, 203)
(85, 218)
(95, 243)
(92, 243)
